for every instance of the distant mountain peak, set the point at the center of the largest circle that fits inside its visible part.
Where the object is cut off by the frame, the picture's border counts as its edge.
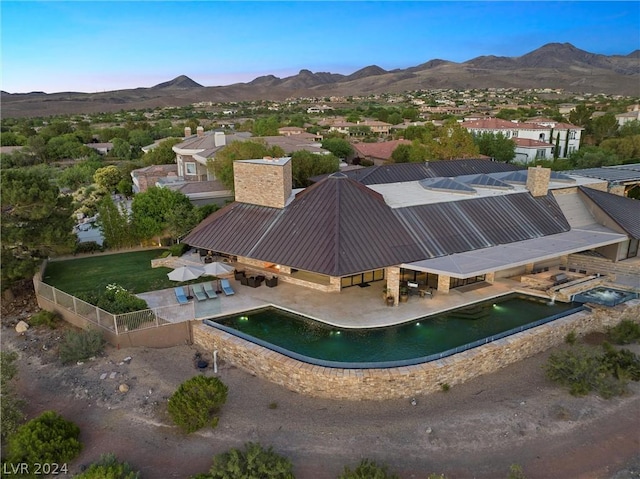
(181, 81)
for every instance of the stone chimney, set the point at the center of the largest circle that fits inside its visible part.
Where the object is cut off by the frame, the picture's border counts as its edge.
(219, 139)
(200, 131)
(538, 180)
(265, 182)
(187, 132)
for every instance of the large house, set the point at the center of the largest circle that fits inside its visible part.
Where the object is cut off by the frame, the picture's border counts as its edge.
(443, 224)
(561, 136)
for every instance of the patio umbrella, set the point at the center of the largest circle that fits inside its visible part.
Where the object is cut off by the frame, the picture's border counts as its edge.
(185, 273)
(217, 268)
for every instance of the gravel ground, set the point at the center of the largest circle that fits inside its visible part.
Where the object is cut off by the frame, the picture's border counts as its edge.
(475, 430)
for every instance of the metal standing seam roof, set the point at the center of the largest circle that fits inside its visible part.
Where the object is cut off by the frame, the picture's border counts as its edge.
(454, 227)
(337, 227)
(624, 211)
(619, 173)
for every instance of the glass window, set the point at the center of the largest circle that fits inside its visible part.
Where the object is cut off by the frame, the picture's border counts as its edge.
(191, 168)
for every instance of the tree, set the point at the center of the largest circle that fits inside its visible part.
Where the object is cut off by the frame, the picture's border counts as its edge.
(36, 222)
(108, 467)
(162, 154)
(338, 146)
(11, 414)
(115, 225)
(161, 210)
(401, 153)
(454, 141)
(222, 165)
(266, 126)
(254, 462)
(605, 126)
(78, 175)
(49, 438)
(305, 165)
(581, 115)
(197, 402)
(496, 146)
(107, 178)
(121, 149)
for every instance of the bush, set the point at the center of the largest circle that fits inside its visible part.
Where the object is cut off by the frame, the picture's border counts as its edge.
(516, 472)
(116, 300)
(571, 338)
(196, 403)
(87, 247)
(579, 369)
(45, 318)
(626, 332)
(178, 249)
(11, 414)
(622, 364)
(108, 467)
(49, 438)
(367, 469)
(254, 462)
(81, 345)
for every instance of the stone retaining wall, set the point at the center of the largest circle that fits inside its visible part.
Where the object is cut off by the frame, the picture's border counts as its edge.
(404, 382)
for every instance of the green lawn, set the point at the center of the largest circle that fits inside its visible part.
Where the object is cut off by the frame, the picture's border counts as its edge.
(130, 270)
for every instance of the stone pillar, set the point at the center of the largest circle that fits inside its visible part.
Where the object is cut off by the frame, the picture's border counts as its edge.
(617, 190)
(490, 277)
(538, 180)
(284, 269)
(528, 268)
(393, 283)
(443, 283)
(335, 283)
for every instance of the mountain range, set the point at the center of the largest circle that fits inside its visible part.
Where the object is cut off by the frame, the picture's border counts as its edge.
(555, 65)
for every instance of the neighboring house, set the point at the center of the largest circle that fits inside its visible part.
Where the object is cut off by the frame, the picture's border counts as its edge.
(563, 135)
(445, 224)
(624, 118)
(145, 178)
(319, 109)
(527, 151)
(290, 130)
(379, 153)
(353, 129)
(293, 143)
(102, 148)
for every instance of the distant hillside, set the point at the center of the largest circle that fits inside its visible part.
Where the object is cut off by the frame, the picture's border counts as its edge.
(555, 65)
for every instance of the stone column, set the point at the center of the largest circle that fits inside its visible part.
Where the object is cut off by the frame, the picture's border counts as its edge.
(393, 283)
(528, 268)
(490, 277)
(443, 283)
(335, 284)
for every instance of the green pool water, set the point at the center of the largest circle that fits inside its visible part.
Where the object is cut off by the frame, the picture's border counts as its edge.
(417, 341)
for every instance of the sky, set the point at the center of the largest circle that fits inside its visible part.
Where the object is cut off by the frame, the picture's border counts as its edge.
(92, 46)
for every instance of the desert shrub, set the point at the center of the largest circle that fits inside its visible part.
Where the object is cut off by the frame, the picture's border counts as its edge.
(80, 345)
(49, 438)
(626, 332)
(621, 363)
(108, 467)
(579, 369)
(571, 338)
(45, 318)
(367, 469)
(11, 414)
(196, 403)
(255, 462)
(516, 472)
(445, 387)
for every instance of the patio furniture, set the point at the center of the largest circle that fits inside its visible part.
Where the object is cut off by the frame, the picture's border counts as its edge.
(426, 292)
(226, 287)
(560, 278)
(209, 291)
(271, 282)
(244, 281)
(238, 275)
(198, 292)
(180, 296)
(255, 281)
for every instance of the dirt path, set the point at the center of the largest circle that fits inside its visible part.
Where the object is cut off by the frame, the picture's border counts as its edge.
(476, 430)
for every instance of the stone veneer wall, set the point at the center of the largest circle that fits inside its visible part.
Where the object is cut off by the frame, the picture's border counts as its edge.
(403, 382)
(265, 184)
(538, 180)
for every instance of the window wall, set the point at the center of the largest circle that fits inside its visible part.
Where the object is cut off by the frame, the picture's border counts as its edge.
(361, 278)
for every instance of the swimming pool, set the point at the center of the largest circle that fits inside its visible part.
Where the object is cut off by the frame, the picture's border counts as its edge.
(419, 341)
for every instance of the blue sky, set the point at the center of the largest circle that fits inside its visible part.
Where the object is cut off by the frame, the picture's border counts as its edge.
(99, 46)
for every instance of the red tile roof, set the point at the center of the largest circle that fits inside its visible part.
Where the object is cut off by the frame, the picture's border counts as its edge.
(381, 150)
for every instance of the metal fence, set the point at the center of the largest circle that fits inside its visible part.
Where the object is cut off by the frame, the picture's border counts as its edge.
(118, 323)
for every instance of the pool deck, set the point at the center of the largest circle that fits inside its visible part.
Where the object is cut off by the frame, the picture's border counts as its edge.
(354, 307)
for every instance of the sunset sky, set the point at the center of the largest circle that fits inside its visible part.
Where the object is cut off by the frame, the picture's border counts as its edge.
(97, 46)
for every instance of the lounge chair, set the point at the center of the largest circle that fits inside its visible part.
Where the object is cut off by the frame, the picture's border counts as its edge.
(209, 291)
(198, 292)
(226, 287)
(180, 296)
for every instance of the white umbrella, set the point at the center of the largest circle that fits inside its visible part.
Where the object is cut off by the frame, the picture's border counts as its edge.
(217, 268)
(185, 273)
